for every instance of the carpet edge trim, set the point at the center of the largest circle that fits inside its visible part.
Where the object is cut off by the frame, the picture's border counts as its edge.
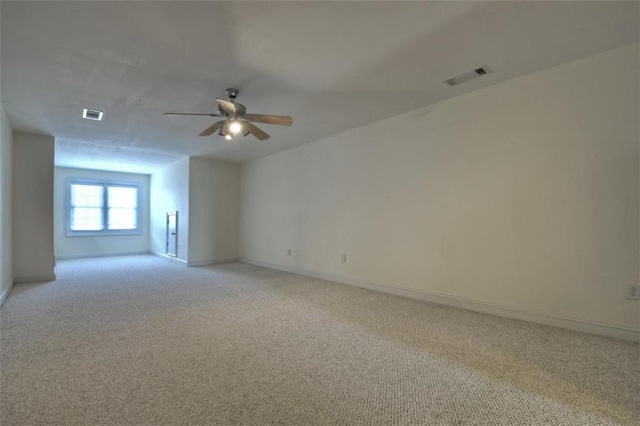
(513, 312)
(212, 261)
(34, 279)
(169, 258)
(5, 295)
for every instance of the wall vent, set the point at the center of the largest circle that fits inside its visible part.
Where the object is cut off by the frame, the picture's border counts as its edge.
(466, 76)
(92, 114)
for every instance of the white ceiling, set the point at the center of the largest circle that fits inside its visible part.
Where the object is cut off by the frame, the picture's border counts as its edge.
(332, 66)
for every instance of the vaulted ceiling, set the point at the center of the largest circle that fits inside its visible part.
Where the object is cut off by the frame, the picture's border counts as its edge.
(332, 66)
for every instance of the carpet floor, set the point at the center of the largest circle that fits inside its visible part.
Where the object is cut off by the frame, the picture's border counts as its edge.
(137, 340)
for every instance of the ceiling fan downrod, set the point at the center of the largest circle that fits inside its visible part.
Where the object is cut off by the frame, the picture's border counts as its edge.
(232, 93)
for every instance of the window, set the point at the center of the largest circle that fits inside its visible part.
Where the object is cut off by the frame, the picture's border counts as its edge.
(96, 208)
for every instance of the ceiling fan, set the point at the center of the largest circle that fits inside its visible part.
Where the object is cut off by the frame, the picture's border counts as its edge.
(236, 120)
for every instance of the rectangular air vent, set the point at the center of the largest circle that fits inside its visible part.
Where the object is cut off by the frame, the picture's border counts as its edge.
(92, 114)
(466, 76)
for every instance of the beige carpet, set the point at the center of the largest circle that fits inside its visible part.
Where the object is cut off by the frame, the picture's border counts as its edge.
(140, 341)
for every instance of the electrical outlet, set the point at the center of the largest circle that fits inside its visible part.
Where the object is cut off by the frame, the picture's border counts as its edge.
(344, 258)
(633, 292)
(288, 252)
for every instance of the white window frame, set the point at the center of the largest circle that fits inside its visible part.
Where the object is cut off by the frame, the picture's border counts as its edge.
(105, 208)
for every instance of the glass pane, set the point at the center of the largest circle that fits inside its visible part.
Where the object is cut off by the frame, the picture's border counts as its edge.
(123, 208)
(86, 195)
(122, 219)
(123, 197)
(86, 207)
(86, 219)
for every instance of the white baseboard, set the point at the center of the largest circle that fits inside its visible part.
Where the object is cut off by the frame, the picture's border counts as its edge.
(169, 258)
(212, 262)
(85, 255)
(5, 294)
(194, 263)
(483, 306)
(37, 279)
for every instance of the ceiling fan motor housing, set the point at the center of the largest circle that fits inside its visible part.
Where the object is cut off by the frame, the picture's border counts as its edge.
(231, 115)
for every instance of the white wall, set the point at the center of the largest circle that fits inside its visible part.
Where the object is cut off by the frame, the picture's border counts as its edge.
(214, 209)
(170, 192)
(33, 254)
(103, 245)
(6, 241)
(522, 195)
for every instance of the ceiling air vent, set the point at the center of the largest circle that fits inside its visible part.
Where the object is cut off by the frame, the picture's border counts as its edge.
(92, 114)
(466, 76)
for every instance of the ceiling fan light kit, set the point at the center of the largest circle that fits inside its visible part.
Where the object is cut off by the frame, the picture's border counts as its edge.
(223, 131)
(236, 120)
(235, 127)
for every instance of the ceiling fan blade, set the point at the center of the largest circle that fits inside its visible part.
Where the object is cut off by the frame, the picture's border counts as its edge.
(256, 131)
(210, 130)
(190, 113)
(280, 120)
(226, 106)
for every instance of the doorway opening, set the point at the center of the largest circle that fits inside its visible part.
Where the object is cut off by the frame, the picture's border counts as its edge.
(172, 234)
